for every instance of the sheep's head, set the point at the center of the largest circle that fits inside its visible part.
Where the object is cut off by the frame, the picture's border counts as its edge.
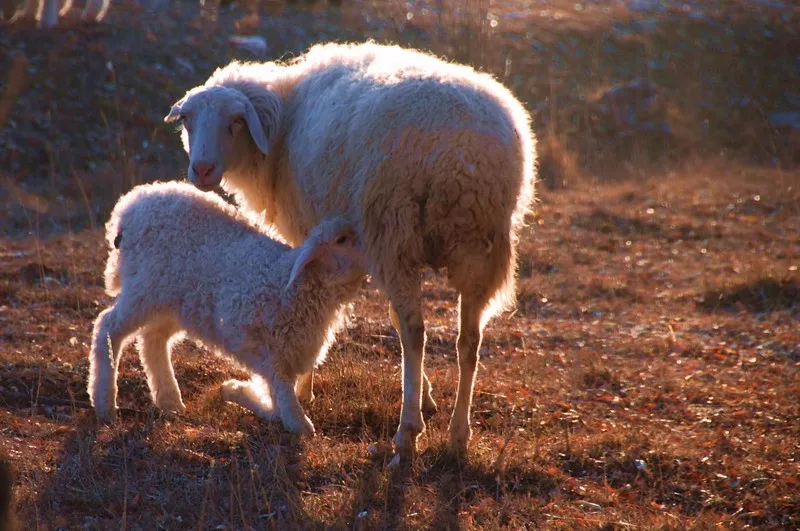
(219, 124)
(334, 249)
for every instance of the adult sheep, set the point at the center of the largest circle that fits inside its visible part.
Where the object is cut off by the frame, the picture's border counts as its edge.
(432, 161)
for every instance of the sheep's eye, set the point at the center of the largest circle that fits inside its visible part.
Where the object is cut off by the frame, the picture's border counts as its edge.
(235, 126)
(341, 240)
(183, 120)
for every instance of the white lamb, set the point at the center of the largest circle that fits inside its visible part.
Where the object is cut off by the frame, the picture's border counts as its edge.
(433, 162)
(182, 260)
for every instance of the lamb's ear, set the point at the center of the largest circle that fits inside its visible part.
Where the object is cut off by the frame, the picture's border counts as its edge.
(175, 111)
(309, 252)
(256, 127)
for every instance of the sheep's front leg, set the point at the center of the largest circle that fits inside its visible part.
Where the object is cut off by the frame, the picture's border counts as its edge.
(305, 387)
(110, 330)
(406, 300)
(155, 355)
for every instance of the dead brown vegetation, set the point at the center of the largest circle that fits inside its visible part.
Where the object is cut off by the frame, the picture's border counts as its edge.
(648, 378)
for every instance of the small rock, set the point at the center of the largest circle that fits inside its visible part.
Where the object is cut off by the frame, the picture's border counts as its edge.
(255, 44)
(589, 506)
(184, 64)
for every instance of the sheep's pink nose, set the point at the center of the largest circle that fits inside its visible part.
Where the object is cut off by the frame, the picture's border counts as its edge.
(203, 170)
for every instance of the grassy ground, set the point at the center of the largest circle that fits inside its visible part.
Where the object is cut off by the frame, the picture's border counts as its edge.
(648, 379)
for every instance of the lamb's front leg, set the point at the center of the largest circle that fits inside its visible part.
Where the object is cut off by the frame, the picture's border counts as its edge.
(253, 394)
(286, 403)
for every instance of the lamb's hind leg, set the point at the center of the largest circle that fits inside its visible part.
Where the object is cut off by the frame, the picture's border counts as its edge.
(155, 355)
(110, 330)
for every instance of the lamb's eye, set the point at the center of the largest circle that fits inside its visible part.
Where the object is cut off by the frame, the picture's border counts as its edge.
(235, 126)
(184, 121)
(341, 240)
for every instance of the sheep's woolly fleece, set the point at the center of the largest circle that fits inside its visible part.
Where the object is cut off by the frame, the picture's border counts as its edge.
(433, 160)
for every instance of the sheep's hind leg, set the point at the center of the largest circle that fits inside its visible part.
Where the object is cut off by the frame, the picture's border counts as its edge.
(469, 343)
(429, 406)
(156, 360)
(110, 330)
(406, 299)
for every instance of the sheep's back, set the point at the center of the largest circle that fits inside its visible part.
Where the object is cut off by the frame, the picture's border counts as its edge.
(429, 150)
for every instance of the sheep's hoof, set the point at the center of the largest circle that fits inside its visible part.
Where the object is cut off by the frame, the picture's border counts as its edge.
(459, 437)
(395, 463)
(106, 415)
(405, 442)
(171, 406)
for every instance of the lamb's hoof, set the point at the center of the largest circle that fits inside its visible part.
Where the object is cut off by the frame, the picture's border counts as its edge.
(230, 390)
(303, 427)
(172, 409)
(306, 398)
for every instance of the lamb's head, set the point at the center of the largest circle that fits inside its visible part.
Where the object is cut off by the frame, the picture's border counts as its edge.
(220, 127)
(333, 252)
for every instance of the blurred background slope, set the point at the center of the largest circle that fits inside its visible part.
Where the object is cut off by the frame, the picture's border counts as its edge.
(614, 87)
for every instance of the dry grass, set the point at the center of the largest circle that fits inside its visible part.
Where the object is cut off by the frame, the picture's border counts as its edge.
(613, 397)
(648, 378)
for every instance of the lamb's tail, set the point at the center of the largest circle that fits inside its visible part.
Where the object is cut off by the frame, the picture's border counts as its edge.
(113, 278)
(113, 275)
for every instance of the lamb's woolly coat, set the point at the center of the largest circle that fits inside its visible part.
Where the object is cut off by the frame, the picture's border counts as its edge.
(182, 260)
(433, 161)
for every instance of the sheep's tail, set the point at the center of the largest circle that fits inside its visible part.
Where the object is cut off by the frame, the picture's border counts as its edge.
(505, 298)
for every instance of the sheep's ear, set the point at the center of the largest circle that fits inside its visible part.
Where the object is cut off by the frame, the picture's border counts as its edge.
(309, 252)
(175, 111)
(256, 127)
